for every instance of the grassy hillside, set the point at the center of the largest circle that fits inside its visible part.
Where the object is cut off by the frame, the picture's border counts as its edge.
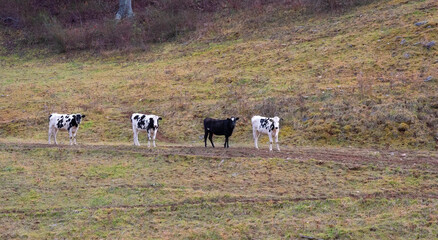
(351, 78)
(126, 192)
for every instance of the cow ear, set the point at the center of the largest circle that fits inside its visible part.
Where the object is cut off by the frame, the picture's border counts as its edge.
(237, 118)
(160, 118)
(83, 116)
(228, 118)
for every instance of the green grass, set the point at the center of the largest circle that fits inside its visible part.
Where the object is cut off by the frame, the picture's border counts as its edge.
(304, 68)
(86, 193)
(278, 56)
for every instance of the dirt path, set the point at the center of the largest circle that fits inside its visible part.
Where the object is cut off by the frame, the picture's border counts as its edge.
(426, 161)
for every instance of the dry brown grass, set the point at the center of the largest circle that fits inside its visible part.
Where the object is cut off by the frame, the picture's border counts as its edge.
(300, 67)
(129, 192)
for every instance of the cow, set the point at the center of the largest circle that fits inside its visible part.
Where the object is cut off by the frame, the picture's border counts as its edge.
(270, 126)
(219, 127)
(69, 122)
(143, 122)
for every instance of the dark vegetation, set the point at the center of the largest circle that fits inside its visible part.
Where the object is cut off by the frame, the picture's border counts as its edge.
(69, 25)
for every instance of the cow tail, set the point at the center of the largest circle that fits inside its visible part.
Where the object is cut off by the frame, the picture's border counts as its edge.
(50, 116)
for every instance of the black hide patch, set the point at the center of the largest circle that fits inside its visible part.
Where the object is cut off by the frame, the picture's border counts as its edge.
(73, 123)
(151, 124)
(78, 118)
(219, 127)
(141, 124)
(59, 124)
(266, 124)
(136, 117)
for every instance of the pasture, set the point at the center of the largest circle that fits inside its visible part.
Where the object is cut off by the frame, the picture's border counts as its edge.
(357, 90)
(119, 191)
(333, 84)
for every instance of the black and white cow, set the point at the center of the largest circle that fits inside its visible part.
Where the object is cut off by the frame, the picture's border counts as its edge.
(69, 122)
(265, 125)
(219, 127)
(143, 122)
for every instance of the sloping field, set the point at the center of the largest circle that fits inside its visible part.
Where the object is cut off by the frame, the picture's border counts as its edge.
(365, 77)
(103, 191)
(350, 78)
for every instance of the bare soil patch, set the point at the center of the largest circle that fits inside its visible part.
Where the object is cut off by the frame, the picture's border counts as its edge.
(354, 157)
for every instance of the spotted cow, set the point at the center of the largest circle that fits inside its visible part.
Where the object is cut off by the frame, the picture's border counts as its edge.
(143, 122)
(69, 122)
(265, 125)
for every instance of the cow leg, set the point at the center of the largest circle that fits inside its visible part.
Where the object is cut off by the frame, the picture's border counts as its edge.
(276, 141)
(54, 135)
(74, 136)
(135, 132)
(256, 138)
(50, 134)
(155, 134)
(149, 138)
(205, 138)
(70, 135)
(136, 137)
(211, 138)
(270, 141)
(226, 141)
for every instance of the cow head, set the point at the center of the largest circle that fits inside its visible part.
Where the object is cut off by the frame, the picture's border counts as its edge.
(78, 117)
(276, 121)
(153, 121)
(232, 121)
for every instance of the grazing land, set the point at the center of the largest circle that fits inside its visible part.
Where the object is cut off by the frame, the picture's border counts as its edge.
(356, 77)
(121, 191)
(357, 89)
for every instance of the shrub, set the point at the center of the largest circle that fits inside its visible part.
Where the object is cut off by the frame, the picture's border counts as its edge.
(77, 25)
(403, 127)
(268, 107)
(160, 26)
(57, 34)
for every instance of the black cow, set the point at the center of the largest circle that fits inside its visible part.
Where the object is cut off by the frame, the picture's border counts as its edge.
(219, 127)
